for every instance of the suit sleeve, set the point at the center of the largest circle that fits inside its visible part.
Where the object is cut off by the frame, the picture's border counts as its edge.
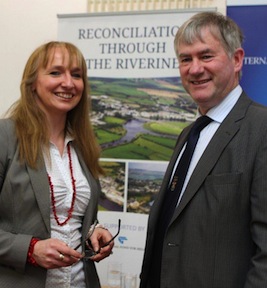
(257, 275)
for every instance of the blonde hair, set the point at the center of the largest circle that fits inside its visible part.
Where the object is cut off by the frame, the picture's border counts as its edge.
(31, 123)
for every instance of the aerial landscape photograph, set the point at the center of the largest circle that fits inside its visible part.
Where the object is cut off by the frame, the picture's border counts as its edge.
(137, 122)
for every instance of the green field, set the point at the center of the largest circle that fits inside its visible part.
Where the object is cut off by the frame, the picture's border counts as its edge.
(171, 128)
(144, 147)
(122, 100)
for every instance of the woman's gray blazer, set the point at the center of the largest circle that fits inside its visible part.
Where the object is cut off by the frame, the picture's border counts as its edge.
(25, 213)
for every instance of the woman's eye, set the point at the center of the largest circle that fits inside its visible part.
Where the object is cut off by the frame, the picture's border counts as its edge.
(76, 75)
(55, 73)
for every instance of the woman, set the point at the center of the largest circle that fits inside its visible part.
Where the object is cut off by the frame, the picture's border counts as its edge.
(49, 173)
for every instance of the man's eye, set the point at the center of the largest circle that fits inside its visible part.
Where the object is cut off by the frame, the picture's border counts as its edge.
(206, 57)
(185, 60)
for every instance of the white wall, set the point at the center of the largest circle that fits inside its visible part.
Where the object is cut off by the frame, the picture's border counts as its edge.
(29, 23)
(26, 24)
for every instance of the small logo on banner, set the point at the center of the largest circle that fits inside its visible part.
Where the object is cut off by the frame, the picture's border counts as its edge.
(122, 239)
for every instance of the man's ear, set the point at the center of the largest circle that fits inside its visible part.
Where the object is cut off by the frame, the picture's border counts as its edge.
(238, 58)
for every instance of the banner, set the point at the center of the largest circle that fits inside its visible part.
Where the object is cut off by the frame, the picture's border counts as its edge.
(139, 108)
(253, 21)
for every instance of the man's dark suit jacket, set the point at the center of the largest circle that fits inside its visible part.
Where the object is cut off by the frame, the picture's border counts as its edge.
(217, 237)
(25, 212)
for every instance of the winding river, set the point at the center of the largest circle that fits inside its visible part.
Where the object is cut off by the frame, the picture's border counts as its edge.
(133, 127)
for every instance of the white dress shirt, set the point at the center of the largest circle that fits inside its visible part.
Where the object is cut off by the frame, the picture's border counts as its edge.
(217, 114)
(59, 171)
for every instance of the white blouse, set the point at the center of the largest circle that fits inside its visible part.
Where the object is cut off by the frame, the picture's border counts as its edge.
(59, 171)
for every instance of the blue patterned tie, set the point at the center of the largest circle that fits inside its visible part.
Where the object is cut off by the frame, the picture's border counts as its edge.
(180, 173)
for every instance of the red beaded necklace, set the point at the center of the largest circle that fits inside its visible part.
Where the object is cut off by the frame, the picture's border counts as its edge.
(53, 199)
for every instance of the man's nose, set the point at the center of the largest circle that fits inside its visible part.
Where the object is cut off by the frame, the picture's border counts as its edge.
(196, 67)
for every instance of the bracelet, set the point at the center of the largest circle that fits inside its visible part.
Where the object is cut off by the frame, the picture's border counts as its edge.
(101, 226)
(30, 258)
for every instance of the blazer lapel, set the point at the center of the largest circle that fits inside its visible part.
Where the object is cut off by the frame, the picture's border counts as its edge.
(40, 187)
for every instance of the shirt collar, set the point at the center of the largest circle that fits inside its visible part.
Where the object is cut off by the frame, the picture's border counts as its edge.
(219, 112)
(68, 138)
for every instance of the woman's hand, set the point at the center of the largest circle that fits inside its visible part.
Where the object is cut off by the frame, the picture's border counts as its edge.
(101, 244)
(53, 253)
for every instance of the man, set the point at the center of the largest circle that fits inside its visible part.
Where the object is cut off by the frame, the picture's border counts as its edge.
(217, 234)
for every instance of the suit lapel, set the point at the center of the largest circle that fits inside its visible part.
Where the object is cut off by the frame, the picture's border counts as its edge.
(220, 140)
(177, 150)
(157, 205)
